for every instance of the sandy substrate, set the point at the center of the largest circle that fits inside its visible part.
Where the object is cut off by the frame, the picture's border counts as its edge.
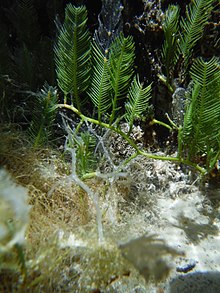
(157, 198)
(188, 221)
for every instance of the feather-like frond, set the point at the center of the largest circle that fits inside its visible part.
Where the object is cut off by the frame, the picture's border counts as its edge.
(169, 49)
(192, 26)
(191, 99)
(100, 90)
(85, 144)
(85, 153)
(201, 130)
(44, 114)
(205, 73)
(121, 62)
(138, 99)
(72, 53)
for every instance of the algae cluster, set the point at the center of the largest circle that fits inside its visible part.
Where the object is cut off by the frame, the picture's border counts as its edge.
(61, 248)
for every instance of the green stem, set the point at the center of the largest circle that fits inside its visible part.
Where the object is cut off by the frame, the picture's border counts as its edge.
(166, 82)
(94, 121)
(155, 121)
(133, 144)
(171, 122)
(65, 98)
(180, 144)
(79, 126)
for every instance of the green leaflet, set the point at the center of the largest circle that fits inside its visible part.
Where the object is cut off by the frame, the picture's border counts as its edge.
(111, 75)
(121, 62)
(180, 40)
(169, 49)
(138, 98)
(201, 129)
(44, 114)
(72, 54)
(100, 90)
(84, 143)
(197, 15)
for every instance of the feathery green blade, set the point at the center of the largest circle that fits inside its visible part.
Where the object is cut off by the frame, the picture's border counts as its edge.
(169, 49)
(44, 114)
(121, 62)
(197, 15)
(100, 90)
(138, 99)
(72, 53)
(85, 144)
(205, 73)
(201, 129)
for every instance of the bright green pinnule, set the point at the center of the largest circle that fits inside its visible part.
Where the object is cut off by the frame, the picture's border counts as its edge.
(192, 27)
(201, 129)
(44, 114)
(169, 49)
(111, 75)
(84, 143)
(100, 91)
(121, 69)
(72, 54)
(138, 98)
(180, 38)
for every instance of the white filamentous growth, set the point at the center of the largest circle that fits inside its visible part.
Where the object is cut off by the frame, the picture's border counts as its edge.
(90, 193)
(101, 143)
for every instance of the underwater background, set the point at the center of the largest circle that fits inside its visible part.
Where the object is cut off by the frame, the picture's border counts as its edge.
(109, 146)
